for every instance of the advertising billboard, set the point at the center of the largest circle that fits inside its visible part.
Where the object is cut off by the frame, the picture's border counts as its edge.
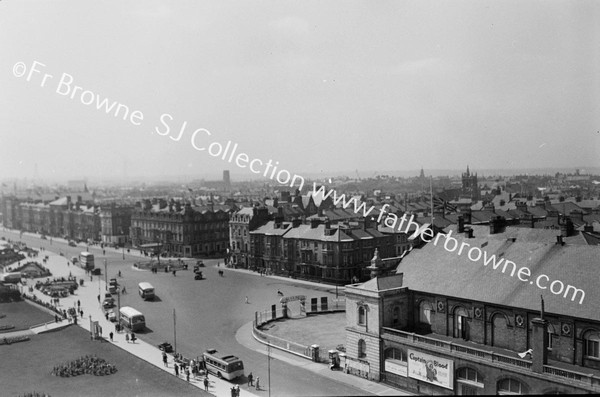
(435, 370)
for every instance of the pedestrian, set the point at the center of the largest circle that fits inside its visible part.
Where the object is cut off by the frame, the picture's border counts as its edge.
(124, 291)
(247, 299)
(56, 318)
(237, 391)
(250, 379)
(98, 298)
(106, 315)
(127, 338)
(187, 374)
(78, 303)
(119, 273)
(111, 336)
(81, 313)
(206, 383)
(165, 362)
(257, 383)
(133, 338)
(176, 370)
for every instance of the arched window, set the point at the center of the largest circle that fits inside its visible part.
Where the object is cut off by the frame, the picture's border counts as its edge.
(469, 381)
(396, 315)
(511, 386)
(501, 333)
(362, 315)
(551, 336)
(591, 344)
(362, 349)
(461, 326)
(425, 312)
(395, 354)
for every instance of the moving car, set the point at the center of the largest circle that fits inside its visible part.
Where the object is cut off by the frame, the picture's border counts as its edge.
(165, 347)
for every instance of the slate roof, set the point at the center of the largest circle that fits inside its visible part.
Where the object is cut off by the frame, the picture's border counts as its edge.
(318, 233)
(381, 283)
(269, 229)
(434, 270)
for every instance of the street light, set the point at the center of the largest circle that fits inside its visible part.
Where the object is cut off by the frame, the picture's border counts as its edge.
(174, 333)
(269, 367)
(105, 275)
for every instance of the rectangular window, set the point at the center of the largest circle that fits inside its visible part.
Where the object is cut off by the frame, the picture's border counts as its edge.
(593, 348)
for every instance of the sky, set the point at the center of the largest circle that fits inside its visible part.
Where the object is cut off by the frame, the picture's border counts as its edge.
(317, 86)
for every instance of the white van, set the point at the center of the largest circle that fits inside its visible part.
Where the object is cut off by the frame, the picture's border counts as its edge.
(146, 291)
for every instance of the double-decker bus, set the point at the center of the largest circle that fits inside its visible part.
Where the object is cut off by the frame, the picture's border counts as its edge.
(132, 319)
(86, 261)
(228, 367)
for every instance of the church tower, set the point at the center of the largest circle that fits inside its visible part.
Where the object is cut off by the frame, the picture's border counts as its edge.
(470, 188)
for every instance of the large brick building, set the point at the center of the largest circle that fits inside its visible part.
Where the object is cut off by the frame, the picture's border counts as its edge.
(180, 228)
(64, 217)
(241, 224)
(446, 324)
(318, 251)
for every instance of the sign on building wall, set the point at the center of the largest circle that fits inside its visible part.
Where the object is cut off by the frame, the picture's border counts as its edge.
(431, 369)
(396, 367)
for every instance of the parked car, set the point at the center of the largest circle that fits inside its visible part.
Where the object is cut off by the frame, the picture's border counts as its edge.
(112, 316)
(108, 303)
(72, 244)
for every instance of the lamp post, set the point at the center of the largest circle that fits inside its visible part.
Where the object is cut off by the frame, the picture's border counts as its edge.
(105, 275)
(174, 333)
(269, 367)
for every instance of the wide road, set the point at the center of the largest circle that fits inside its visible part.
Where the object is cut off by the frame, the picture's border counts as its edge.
(208, 313)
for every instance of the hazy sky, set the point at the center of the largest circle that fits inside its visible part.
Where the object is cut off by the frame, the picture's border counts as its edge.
(316, 85)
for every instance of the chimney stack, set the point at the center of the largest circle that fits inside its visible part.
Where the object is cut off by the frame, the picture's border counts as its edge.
(461, 224)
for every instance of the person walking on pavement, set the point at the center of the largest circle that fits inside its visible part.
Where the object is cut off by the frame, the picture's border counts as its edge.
(257, 383)
(111, 336)
(250, 379)
(206, 383)
(176, 370)
(187, 374)
(127, 337)
(164, 356)
(237, 390)
(247, 299)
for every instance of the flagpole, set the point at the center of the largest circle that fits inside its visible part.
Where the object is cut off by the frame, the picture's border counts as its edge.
(431, 196)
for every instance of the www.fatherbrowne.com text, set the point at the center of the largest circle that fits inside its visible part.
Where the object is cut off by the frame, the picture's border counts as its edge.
(475, 254)
(229, 152)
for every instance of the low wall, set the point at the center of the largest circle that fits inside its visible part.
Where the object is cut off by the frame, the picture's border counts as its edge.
(278, 312)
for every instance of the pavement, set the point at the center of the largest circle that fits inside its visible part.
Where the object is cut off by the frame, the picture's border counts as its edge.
(87, 295)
